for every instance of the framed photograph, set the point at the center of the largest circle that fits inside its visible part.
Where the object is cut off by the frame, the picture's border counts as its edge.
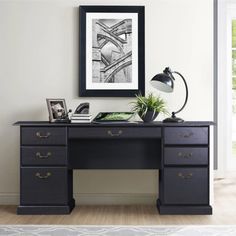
(57, 109)
(112, 57)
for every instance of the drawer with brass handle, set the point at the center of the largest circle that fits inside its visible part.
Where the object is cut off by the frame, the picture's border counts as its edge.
(43, 156)
(186, 135)
(114, 132)
(186, 186)
(44, 185)
(43, 136)
(186, 155)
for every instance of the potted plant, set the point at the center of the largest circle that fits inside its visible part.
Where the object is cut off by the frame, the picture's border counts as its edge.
(149, 107)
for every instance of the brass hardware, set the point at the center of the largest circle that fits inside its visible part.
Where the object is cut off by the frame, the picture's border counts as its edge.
(48, 174)
(109, 132)
(38, 134)
(186, 155)
(185, 176)
(186, 135)
(38, 154)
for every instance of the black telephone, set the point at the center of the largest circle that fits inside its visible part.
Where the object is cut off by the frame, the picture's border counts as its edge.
(83, 108)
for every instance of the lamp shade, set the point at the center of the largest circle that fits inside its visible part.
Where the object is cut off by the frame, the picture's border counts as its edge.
(163, 82)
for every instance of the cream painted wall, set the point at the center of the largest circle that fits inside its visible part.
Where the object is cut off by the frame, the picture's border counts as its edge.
(39, 59)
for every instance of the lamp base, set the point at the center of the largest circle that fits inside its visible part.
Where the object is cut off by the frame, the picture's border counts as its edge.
(173, 120)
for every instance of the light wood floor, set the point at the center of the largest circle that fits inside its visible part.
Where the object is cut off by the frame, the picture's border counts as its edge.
(224, 212)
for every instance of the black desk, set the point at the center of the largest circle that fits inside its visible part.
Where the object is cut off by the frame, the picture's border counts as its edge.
(50, 152)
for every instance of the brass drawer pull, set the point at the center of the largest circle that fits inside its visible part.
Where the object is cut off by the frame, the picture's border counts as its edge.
(185, 176)
(48, 174)
(186, 135)
(39, 135)
(40, 156)
(185, 155)
(109, 132)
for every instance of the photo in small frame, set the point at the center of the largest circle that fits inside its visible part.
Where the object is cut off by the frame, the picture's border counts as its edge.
(57, 109)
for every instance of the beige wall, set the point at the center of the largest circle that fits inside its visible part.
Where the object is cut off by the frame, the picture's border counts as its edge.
(39, 59)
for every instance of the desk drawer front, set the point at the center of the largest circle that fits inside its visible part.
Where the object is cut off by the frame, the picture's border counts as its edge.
(43, 185)
(43, 136)
(43, 155)
(113, 132)
(185, 156)
(186, 135)
(186, 186)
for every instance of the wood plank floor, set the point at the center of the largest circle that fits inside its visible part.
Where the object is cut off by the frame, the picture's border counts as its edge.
(224, 212)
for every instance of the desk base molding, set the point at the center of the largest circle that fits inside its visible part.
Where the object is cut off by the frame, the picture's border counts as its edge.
(183, 210)
(46, 210)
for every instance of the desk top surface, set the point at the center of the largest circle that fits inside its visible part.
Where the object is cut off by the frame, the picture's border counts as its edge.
(123, 124)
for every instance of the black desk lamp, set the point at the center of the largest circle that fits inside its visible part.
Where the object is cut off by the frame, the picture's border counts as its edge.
(165, 82)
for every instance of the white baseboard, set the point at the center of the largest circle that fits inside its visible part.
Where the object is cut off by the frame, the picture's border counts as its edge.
(93, 199)
(9, 198)
(114, 199)
(219, 174)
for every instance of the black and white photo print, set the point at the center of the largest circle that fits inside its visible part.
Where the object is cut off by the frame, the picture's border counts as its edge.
(111, 51)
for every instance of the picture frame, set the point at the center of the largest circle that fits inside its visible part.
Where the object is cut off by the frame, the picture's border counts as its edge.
(111, 51)
(57, 109)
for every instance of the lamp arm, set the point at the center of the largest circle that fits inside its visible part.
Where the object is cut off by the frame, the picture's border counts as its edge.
(186, 97)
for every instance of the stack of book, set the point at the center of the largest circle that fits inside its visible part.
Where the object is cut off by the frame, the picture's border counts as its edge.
(81, 118)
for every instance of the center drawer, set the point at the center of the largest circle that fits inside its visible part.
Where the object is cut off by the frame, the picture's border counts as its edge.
(48, 155)
(113, 132)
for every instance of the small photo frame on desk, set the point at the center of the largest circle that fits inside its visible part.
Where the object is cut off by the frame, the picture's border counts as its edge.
(57, 109)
